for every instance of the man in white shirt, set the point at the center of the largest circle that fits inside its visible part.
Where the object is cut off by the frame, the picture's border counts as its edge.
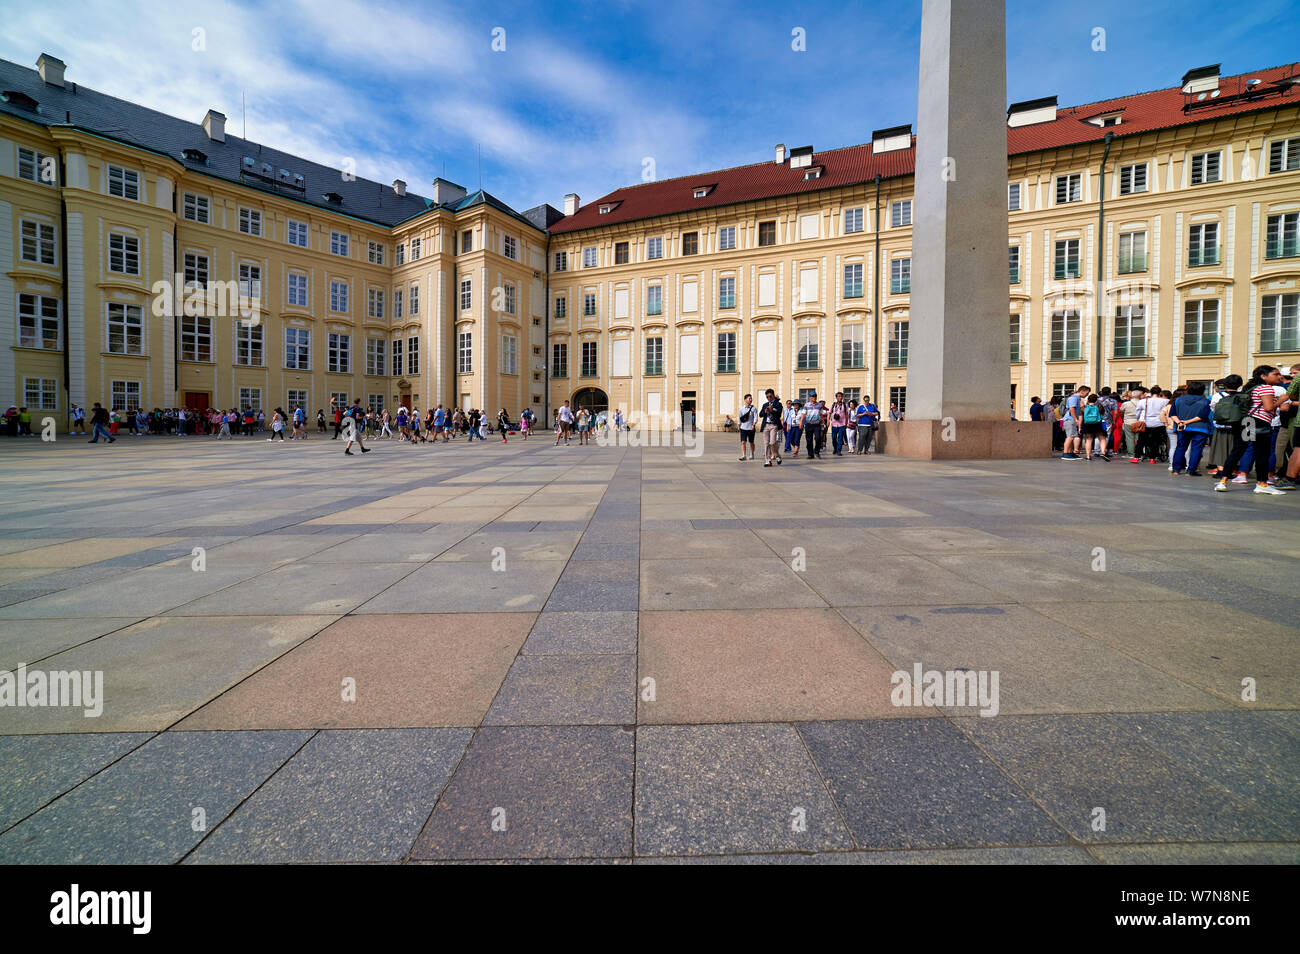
(566, 424)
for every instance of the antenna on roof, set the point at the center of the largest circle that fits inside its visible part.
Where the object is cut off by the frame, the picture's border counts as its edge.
(480, 166)
(244, 100)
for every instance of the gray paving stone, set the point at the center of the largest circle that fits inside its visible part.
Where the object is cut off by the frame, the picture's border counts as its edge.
(554, 791)
(347, 796)
(601, 571)
(583, 633)
(606, 551)
(36, 769)
(142, 809)
(1264, 853)
(589, 596)
(918, 783)
(566, 690)
(966, 856)
(719, 789)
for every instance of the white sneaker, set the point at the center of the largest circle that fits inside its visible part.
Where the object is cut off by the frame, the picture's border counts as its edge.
(1221, 486)
(1269, 490)
(1239, 479)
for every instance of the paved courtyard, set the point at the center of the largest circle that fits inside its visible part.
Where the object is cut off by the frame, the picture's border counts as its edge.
(489, 652)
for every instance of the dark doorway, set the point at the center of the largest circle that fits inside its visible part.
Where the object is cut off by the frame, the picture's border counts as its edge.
(688, 411)
(594, 400)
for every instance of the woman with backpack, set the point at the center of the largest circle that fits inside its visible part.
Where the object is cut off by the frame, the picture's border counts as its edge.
(1255, 403)
(1094, 429)
(1221, 437)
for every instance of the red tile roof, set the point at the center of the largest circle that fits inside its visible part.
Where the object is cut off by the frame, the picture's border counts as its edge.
(853, 165)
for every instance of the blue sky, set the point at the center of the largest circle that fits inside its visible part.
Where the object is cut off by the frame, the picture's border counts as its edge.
(584, 92)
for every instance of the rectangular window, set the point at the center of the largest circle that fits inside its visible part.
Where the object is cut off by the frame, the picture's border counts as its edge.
(561, 307)
(853, 280)
(589, 304)
(123, 254)
(589, 257)
(1201, 327)
(297, 233)
(250, 399)
(466, 295)
(1067, 260)
(1067, 336)
(341, 399)
(1281, 236)
(559, 360)
(690, 243)
(1064, 389)
(852, 347)
(397, 303)
(466, 242)
(39, 394)
(510, 247)
(1131, 331)
(196, 208)
(124, 183)
(808, 353)
(654, 300)
(1203, 245)
(196, 338)
(248, 344)
(37, 242)
(125, 328)
(38, 323)
(1284, 155)
(589, 367)
(620, 253)
(376, 349)
(852, 221)
(767, 233)
(414, 301)
(1015, 338)
(852, 396)
(375, 253)
(509, 298)
(727, 292)
(417, 248)
(401, 253)
(297, 349)
(1205, 167)
(726, 238)
(1013, 197)
(374, 303)
(1133, 178)
(397, 356)
(1279, 323)
(900, 276)
(125, 395)
(196, 271)
(900, 213)
(375, 403)
(465, 352)
(1069, 188)
(509, 354)
(250, 221)
(339, 244)
(654, 356)
(412, 355)
(37, 167)
(295, 398)
(727, 352)
(250, 280)
(339, 296)
(1132, 252)
(654, 247)
(561, 262)
(1013, 264)
(897, 354)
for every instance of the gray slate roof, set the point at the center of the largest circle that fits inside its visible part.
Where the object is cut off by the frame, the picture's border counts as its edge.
(85, 109)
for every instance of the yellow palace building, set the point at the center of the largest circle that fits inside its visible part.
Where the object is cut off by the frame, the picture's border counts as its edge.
(150, 261)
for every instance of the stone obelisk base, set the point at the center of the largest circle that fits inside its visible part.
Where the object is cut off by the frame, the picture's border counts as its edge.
(965, 440)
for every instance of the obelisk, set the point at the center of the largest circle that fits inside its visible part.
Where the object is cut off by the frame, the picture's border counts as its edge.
(958, 390)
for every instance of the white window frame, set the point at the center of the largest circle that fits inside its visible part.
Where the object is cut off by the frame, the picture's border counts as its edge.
(339, 244)
(196, 208)
(299, 340)
(853, 220)
(42, 243)
(375, 252)
(124, 183)
(45, 388)
(252, 338)
(900, 213)
(298, 230)
(1069, 184)
(339, 355)
(465, 352)
(339, 296)
(509, 354)
(125, 315)
(43, 312)
(250, 221)
(127, 255)
(299, 290)
(196, 339)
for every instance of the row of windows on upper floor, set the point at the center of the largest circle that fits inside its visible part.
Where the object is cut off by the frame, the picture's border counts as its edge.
(124, 183)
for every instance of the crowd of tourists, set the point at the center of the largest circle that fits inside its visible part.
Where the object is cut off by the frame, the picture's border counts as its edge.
(1231, 428)
(849, 425)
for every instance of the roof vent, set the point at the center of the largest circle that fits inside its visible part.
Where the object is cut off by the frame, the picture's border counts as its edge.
(16, 98)
(399, 187)
(194, 155)
(51, 69)
(1032, 111)
(1203, 79)
(250, 163)
(891, 139)
(801, 157)
(780, 153)
(333, 198)
(268, 170)
(214, 124)
(571, 204)
(299, 181)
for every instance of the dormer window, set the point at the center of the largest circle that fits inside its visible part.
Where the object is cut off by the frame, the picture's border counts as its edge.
(333, 198)
(194, 155)
(15, 98)
(700, 192)
(814, 173)
(1104, 120)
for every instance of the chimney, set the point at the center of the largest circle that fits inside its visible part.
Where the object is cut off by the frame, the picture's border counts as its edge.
(1203, 79)
(780, 153)
(571, 204)
(888, 140)
(51, 69)
(399, 187)
(445, 191)
(214, 124)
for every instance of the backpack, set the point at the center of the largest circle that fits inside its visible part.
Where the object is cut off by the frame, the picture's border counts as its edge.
(1230, 410)
(1091, 414)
